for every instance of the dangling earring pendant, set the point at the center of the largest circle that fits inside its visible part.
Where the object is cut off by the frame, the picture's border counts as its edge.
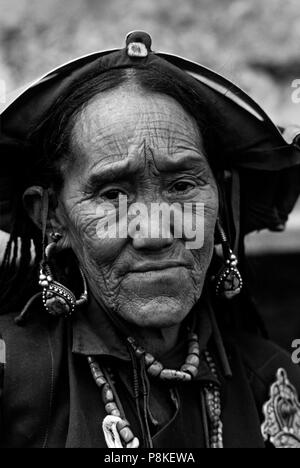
(58, 300)
(228, 281)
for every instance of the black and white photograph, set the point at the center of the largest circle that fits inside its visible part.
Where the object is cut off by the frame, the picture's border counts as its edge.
(149, 226)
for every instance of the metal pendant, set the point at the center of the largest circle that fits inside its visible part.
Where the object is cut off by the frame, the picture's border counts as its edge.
(282, 414)
(58, 300)
(229, 280)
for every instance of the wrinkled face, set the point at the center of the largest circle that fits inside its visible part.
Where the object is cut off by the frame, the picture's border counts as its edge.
(147, 148)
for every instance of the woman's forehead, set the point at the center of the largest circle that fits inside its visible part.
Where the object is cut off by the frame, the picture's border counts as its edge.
(117, 125)
(124, 112)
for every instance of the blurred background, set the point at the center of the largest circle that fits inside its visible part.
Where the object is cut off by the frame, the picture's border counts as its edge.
(254, 43)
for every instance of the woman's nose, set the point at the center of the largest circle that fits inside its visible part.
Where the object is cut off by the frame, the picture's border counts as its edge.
(148, 243)
(151, 230)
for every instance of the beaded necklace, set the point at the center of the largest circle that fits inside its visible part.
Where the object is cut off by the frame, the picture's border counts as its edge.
(188, 370)
(117, 429)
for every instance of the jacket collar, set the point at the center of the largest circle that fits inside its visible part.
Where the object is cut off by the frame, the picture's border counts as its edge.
(94, 334)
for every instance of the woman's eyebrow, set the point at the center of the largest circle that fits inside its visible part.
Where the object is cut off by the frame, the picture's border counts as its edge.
(121, 170)
(128, 168)
(182, 162)
(98, 180)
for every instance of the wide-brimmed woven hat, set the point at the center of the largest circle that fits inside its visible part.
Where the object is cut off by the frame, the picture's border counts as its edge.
(266, 159)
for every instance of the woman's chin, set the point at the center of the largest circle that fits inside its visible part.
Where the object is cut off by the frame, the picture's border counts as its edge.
(159, 312)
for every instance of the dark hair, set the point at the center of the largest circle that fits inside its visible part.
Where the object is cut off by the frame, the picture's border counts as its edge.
(50, 143)
(52, 137)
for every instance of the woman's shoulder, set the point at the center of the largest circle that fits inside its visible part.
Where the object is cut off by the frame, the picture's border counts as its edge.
(30, 373)
(31, 342)
(269, 368)
(275, 382)
(263, 358)
(13, 331)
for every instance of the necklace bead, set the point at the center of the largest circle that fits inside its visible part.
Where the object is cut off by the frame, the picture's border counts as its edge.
(176, 375)
(126, 434)
(109, 407)
(107, 394)
(193, 337)
(193, 360)
(194, 349)
(100, 381)
(149, 359)
(192, 370)
(121, 424)
(213, 404)
(154, 368)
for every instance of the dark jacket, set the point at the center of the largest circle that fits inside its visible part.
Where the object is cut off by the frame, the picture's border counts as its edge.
(50, 399)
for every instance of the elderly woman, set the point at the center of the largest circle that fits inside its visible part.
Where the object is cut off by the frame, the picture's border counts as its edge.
(144, 339)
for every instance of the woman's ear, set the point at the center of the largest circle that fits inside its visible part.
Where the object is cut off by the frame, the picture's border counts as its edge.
(33, 201)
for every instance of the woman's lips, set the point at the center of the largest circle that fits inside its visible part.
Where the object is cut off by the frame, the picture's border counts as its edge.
(152, 278)
(144, 267)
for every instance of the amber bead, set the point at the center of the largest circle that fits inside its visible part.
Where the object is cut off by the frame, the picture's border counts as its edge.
(109, 407)
(96, 372)
(193, 360)
(105, 389)
(184, 376)
(126, 435)
(122, 424)
(149, 359)
(94, 367)
(194, 349)
(193, 337)
(168, 374)
(190, 369)
(155, 369)
(100, 381)
(107, 394)
(139, 352)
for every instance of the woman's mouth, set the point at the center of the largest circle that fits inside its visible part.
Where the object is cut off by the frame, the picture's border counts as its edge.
(156, 266)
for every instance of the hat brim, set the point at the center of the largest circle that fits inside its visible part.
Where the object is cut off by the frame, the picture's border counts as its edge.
(248, 139)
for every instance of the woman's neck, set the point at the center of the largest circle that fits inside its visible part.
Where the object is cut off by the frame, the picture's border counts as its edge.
(157, 342)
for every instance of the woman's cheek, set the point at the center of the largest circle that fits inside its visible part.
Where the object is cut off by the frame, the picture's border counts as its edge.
(200, 217)
(88, 236)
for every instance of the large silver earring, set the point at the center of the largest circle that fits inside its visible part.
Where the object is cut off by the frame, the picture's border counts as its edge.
(58, 300)
(228, 281)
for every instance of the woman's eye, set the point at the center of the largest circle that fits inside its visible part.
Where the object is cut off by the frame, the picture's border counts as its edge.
(182, 186)
(112, 194)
